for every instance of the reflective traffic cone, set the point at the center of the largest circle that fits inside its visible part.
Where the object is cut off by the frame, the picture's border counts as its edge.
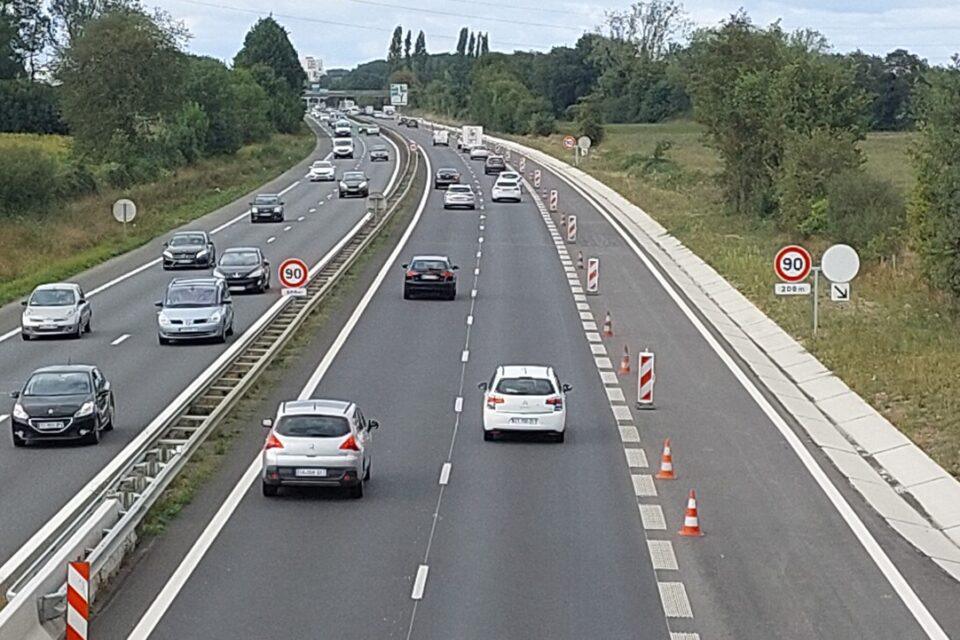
(625, 361)
(691, 522)
(666, 463)
(608, 326)
(579, 259)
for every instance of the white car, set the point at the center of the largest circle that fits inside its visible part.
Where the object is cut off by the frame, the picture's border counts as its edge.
(53, 309)
(479, 153)
(459, 195)
(505, 189)
(343, 147)
(324, 116)
(526, 398)
(441, 137)
(371, 129)
(510, 175)
(322, 170)
(317, 443)
(342, 129)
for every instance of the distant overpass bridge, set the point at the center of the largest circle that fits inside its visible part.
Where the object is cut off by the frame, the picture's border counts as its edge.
(313, 96)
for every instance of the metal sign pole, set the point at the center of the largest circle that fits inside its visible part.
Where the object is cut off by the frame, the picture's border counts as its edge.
(816, 299)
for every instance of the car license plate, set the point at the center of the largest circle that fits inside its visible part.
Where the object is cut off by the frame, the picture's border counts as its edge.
(50, 425)
(48, 326)
(429, 276)
(311, 473)
(524, 420)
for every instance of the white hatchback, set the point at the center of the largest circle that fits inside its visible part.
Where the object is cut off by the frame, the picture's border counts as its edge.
(506, 189)
(479, 153)
(526, 398)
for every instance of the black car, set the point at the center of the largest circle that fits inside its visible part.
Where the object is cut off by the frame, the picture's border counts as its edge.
(266, 206)
(445, 178)
(413, 123)
(431, 275)
(189, 249)
(494, 164)
(379, 153)
(68, 402)
(354, 183)
(244, 268)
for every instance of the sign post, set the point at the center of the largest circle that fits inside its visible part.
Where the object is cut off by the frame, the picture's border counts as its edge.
(124, 211)
(293, 275)
(570, 144)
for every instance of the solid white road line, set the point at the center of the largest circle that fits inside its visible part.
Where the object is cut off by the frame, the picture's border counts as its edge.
(165, 598)
(120, 340)
(420, 582)
(445, 474)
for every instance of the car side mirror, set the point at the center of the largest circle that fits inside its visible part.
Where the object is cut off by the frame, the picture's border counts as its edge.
(106, 385)
(266, 263)
(167, 244)
(404, 266)
(373, 424)
(14, 394)
(566, 388)
(482, 386)
(455, 267)
(228, 301)
(158, 304)
(23, 303)
(266, 423)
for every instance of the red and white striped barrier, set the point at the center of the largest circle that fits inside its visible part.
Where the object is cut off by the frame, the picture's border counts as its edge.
(572, 229)
(536, 178)
(78, 598)
(593, 275)
(645, 380)
(523, 164)
(554, 201)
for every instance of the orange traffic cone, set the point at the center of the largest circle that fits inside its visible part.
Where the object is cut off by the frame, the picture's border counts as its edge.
(666, 463)
(579, 259)
(608, 326)
(691, 522)
(625, 361)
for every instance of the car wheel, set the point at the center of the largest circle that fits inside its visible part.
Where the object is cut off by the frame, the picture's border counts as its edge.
(487, 435)
(162, 340)
(17, 440)
(230, 329)
(253, 220)
(269, 490)
(406, 294)
(89, 328)
(340, 194)
(25, 336)
(79, 332)
(366, 476)
(558, 437)
(452, 295)
(109, 425)
(93, 437)
(356, 492)
(223, 335)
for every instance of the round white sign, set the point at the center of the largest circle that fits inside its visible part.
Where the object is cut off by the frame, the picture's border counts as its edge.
(124, 210)
(840, 263)
(584, 142)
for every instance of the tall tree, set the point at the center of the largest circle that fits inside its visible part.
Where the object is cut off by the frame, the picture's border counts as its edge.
(267, 43)
(462, 41)
(485, 47)
(407, 44)
(69, 16)
(472, 45)
(396, 48)
(420, 54)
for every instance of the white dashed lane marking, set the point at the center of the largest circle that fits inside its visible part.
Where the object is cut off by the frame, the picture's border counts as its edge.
(271, 239)
(636, 458)
(287, 228)
(301, 218)
(652, 517)
(445, 474)
(643, 485)
(675, 602)
(458, 404)
(420, 582)
(120, 340)
(662, 555)
(4, 417)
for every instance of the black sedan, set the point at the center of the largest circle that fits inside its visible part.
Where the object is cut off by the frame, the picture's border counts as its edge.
(354, 183)
(190, 250)
(430, 275)
(244, 268)
(68, 402)
(266, 206)
(446, 177)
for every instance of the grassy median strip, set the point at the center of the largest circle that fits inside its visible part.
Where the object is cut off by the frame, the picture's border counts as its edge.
(896, 344)
(81, 233)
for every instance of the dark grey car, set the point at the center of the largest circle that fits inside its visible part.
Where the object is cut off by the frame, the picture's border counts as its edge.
(190, 250)
(244, 268)
(195, 309)
(379, 153)
(354, 183)
(266, 206)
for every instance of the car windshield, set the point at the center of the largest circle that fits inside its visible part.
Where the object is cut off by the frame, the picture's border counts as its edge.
(428, 265)
(53, 298)
(266, 200)
(343, 142)
(239, 259)
(187, 240)
(379, 147)
(58, 383)
(185, 297)
(460, 188)
(354, 175)
(448, 172)
(322, 164)
(313, 426)
(525, 387)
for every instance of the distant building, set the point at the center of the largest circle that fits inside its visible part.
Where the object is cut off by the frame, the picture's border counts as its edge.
(314, 68)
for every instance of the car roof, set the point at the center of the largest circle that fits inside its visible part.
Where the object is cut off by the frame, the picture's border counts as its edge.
(455, 187)
(489, 158)
(415, 258)
(268, 195)
(194, 282)
(195, 232)
(318, 406)
(447, 169)
(342, 141)
(525, 371)
(65, 368)
(56, 285)
(240, 249)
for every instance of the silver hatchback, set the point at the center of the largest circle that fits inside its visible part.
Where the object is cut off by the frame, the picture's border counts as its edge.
(56, 309)
(317, 443)
(195, 309)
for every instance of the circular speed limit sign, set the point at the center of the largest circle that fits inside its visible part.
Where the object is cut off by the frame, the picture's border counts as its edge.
(792, 263)
(293, 273)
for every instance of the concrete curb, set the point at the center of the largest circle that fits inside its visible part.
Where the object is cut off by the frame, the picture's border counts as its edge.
(915, 495)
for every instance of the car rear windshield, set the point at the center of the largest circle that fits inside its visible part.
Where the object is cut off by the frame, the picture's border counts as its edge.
(187, 240)
(507, 183)
(494, 160)
(428, 265)
(343, 142)
(52, 298)
(266, 200)
(525, 387)
(313, 426)
(460, 188)
(239, 259)
(187, 297)
(64, 383)
(354, 175)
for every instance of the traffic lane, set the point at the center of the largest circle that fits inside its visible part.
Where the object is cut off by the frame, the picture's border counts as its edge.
(536, 540)
(123, 264)
(771, 530)
(144, 375)
(401, 364)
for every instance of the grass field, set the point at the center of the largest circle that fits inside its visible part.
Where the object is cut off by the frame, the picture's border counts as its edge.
(897, 344)
(82, 232)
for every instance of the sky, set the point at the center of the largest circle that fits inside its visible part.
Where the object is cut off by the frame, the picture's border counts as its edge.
(344, 33)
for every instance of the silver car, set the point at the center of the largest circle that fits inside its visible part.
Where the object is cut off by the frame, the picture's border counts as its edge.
(55, 310)
(459, 195)
(317, 443)
(195, 309)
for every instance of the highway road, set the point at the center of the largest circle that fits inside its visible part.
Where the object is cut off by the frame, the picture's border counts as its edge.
(146, 377)
(529, 539)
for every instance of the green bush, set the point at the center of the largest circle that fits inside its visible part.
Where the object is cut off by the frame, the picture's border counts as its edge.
(589, 124)
(27, 179)
(865, 212)
(29, 107)
(542, 123)
(74, 179)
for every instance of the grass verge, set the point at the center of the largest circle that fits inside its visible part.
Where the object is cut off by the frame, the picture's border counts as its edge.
(82, 233)
(896, 344)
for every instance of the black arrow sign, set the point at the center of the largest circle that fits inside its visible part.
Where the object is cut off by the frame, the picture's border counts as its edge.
(842, 293)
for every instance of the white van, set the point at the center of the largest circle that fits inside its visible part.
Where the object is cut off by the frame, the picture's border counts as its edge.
(389, 111)
(343, 147)
(441, 137)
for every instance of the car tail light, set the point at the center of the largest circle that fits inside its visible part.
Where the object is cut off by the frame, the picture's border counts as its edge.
(556, 402)
(350, 444)
(273, 442)
(493, 401)
(411, 274)
(448, 275)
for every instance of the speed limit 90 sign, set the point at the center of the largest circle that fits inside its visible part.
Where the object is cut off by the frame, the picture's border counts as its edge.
(293, 273)
(792, 263)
